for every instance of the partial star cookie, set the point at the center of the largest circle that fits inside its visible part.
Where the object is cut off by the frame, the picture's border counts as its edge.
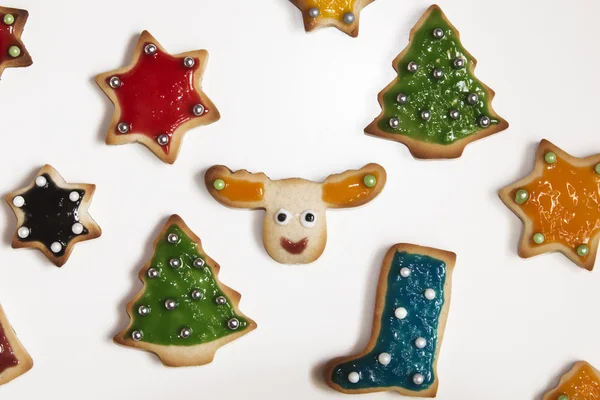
(582, 382)
(343, 14)
(12, 50)
(52, 215)
(158, 98)
(559, 205)
(14, 359)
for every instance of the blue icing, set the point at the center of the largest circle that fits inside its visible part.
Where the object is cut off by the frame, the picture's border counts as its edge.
(396, 336)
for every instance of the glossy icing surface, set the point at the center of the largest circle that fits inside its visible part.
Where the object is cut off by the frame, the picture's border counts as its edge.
(157, 95)
(563, 203)
(207, 320)
(331, 8)
(7, 37)
(242, 190)
(397, 336)
(349, 190)
(50, 214)
(439, 96)
(7, 356)
(583, 385)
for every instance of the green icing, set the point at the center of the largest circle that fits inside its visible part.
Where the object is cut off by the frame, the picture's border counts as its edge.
(207, 320)
(439, 96)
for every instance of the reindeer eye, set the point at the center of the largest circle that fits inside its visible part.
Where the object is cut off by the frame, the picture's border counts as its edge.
(283, 217)
(308, 219)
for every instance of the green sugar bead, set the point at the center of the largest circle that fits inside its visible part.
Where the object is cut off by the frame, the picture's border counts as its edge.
(521, 196)
(550, 157)
(9, 19)
(14, 51)
(583, 250)
(597, 169)
(563, 397)
(219, 184)
(370, 181)
(539, 238)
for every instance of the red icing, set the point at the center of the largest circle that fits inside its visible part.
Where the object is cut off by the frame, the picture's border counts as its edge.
(157, 96)
(7, 356)
(7, 37)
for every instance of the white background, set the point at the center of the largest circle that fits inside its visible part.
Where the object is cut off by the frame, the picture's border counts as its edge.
(294, 104)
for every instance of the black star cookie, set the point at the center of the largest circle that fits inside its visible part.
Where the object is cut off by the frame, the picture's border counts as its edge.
(52, 215)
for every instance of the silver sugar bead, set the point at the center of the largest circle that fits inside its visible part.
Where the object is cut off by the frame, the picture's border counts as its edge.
(189, 62)
(412, 67)
(1, 349)
(175, 262)
(163, 140)
(233, 324)
(198, 110)
(150, 49)
(313, 12)
(472, 98)
(484, 121)
(199, 263)
(144, 310)
(454, 114)
(185, 332)
(402, 98)
(172, 238)
(426, 115)
(123, 127)
(197, 294)
(114, 82)
(170, 304)
(220, 300)
(348, 18)
(394, 123)
(438, 73)
(153, 273)
(459, 63)
(137, 335)
(438, 33)
(418, 379)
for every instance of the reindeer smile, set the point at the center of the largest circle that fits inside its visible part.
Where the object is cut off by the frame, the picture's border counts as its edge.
(294, 248)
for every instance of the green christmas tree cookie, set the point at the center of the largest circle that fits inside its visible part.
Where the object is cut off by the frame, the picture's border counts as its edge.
(183, 314)
(436, 106)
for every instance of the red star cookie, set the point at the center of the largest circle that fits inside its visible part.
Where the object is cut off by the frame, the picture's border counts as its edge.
(157, 98)
(343, 14)
(12, 50)
(14, 359)
(559, 204)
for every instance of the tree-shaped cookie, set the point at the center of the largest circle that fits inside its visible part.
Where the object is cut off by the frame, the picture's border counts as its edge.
(14, 359)
(559, 204)
(184, 313)
(413, 298)
(436, 106)
(343, 14)
(582, 382)
(13, 53)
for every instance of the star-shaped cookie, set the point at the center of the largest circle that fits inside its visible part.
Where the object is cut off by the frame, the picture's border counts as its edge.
(52, 215)
(12, 50)
(559, 204)
(343, 14)
(157, 98)
(14, 359)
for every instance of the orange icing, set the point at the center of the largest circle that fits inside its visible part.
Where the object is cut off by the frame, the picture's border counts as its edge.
(331, 8)
(350, 190)
(564, 204)
(583, 385)
(240, 190)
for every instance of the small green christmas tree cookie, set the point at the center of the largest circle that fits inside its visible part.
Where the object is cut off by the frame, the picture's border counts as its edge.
(436, 106)
(183, 314)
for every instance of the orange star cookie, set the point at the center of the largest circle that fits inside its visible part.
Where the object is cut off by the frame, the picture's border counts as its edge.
(343, 14)
(582, 382)
(559, 205)
(12, 50)
(157, 98)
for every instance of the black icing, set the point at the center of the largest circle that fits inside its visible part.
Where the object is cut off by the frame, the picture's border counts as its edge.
(50, 214)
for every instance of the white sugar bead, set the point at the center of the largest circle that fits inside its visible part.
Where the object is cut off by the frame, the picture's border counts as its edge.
(74, 196)
(23, 232)
(40, 181)
(353, 377)
(420, 343)
(401, 313)
(384, 358)
(418, 379)
(405, 272)
(19, 201)
(77, 228)
(56, 247)
(430, 294)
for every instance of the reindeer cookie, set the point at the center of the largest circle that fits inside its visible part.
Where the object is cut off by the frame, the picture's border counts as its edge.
(295, 229)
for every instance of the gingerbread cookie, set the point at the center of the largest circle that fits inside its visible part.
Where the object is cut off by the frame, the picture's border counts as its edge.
(52, 216)
(413, 298)
(343, 14)
(14, 359)
(582, 382)
(436, 106)
(184, 314)
(294, 229)
(558, 204)
(12, 50)
(157, 98)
